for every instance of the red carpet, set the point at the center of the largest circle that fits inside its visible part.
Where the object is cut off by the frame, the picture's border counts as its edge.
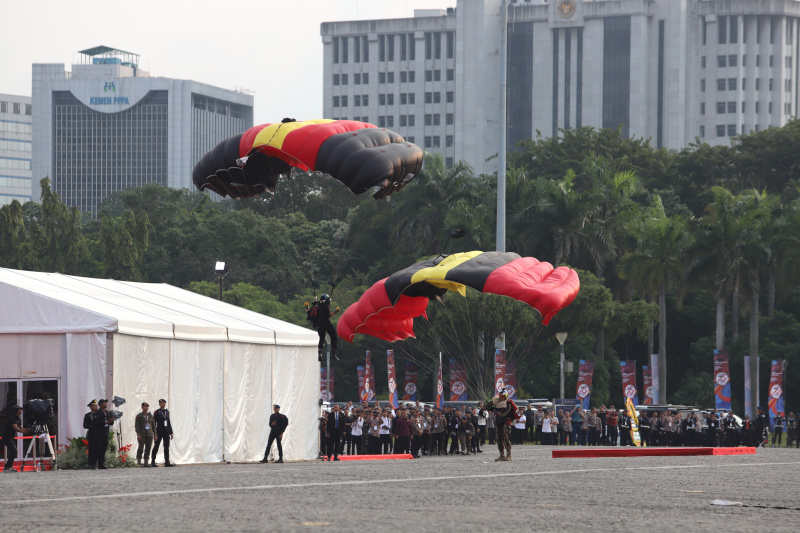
(649, 452)
(374, 457)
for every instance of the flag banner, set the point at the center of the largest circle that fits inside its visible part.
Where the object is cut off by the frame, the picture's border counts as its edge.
(634, 421)
(655, 373)
(775, 404)
(585, 374)
(392, 380)
(410, 382)
(369, 385)
(511, 384)
(458, 382)
(323, 384)
(499, 370)
(440, 386)
(647, 380)
(722, 380)
(360, 370)
(628, 371)
(331, 394)
(748, 392)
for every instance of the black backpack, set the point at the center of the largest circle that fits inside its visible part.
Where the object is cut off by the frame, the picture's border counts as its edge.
(313, 314)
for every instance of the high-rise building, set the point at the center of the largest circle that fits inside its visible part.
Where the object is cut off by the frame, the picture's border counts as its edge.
(106, 125)
(670, 71)
(15, 148)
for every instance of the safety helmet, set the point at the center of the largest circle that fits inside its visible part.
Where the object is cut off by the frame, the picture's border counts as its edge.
(325, 298)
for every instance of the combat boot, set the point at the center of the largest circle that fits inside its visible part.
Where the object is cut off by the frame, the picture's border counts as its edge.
(508, 457)
(501, 458)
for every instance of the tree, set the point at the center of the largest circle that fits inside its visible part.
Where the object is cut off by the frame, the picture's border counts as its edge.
(658, 264)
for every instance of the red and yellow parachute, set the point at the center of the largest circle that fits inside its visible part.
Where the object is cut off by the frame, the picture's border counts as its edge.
(358, 154)
(388, 308)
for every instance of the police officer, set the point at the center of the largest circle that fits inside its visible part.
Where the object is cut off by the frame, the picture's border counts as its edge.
(278, 422)
(644, 428)
(12, 426)
(97, 435)
(691, 430)
(777, 430)
(624, 422)
(163, 432)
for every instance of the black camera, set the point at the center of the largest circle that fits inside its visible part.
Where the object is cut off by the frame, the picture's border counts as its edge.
(38, 411)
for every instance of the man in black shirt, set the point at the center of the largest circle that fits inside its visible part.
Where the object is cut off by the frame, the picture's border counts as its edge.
(163, 432)
(277, 425)
(97, 434)
(10, 430)
(319, 313)
(761, 426)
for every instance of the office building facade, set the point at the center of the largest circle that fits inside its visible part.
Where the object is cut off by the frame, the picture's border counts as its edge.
(106, 125)
(671, 71)
(15, 148)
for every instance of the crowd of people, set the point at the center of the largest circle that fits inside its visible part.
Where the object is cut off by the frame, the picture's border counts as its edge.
(424, 430)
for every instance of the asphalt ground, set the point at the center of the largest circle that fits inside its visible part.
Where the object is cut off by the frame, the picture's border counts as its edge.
(442, 493)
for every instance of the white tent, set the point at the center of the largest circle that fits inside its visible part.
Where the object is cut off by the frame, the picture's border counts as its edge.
(219, 367)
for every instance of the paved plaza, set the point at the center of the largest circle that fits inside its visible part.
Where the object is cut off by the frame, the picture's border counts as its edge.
(442, 494)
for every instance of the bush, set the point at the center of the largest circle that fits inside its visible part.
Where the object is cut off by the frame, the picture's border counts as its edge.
(75, 455)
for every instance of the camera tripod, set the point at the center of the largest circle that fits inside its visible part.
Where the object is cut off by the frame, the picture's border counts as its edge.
(40, 431)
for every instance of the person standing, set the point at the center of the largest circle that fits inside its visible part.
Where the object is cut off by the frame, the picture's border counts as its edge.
(519, 428)
(691, 430)
(505, 412)
(144, 425)
(778, 430)
(530, 424)
(374, 441)
(402, 433)
(538, 418)
(761, 426)
(480, 438)
(356, 432)
(94, 423)
(644, 428)
(490, 422)
(335, 428)
(163, 432)
(593, 423)
(103, 441)
(465, 433)
(278, 422)
(576, 417)
(791, 429)
(611, 422)
(386, 431)
(729, 423)
(12, 426)
(546, 430)
(624, 422)
(566, 428)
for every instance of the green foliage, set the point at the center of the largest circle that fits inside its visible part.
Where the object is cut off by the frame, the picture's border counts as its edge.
(75, 455)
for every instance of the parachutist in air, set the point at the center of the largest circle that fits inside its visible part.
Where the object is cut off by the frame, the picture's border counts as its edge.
(319, 313)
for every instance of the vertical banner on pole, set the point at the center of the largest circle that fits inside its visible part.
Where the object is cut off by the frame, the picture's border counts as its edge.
(440, 386)
(499, 370)
(369, 386)
(360, 370)
(647, 383)
(323, 384)
(330, 386)
(458, 382)
(511, 383)
(628, 371)
(629, 407)
(584, 390)
(748, 389)
(410, 382)
(722, 380)
(392, 378)
(775, 404)
(657, 399)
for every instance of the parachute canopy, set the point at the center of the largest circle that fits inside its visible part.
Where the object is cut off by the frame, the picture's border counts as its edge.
(387, 310)
(358, 154)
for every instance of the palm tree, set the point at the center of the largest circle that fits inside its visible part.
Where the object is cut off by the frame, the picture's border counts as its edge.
(658, 264)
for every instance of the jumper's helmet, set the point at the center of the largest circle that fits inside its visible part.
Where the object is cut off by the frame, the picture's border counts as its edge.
(324, 298)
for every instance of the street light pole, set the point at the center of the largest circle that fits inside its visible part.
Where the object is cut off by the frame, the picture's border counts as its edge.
(561, 336)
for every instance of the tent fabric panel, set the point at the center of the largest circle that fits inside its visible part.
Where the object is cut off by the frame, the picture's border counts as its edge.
(196, 381)
(26, 310)
(9, 356)
(248, 405)
(295, 386)
(41, 356)
(83, 380)
(141, 374)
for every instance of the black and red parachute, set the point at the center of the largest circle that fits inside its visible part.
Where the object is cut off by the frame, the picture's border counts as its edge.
(358, 154)
(388, 308)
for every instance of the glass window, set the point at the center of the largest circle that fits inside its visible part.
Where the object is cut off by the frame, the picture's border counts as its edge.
(403, 121)
(17, 108)
(336, 79)
(390, 99)
(733, 60)
(720, 131)
(344, 79)
(381, 77)
(702, 108)
(731, 107)
(428, 98)
(703, 86)
(437, 119)
(428, 119)
(335, 49)
(451, 47)
(437, 45)
(722, 33)
(411, 120)
(345, 41)
(437, 98)
(403, 77)
(3, 107)
(721, 61)
(449, 141)
(703, 62)
(335, 101)
(390, 121)
(412, 76)
(721, 84)
(390, 77)
(403, 53)
(365, 50)
(344, 101)
(428, 141)
(721, 108)
(771, 60)
(411, 98)
(428, 75)
(769, 108)
(437, 75)
(410, 138)
(357, 78)
(365, 78)
(381, 48)
(390, 42)
(412, 52)
(770, 84)
(758, 61)
(381, 121)
(403, 98)
(357, 100)
(756, 107)
(381, 99)
(365, 102)
(758, 84)
(428, 46)
(743, 107)
(734, 31)
(731, 84)
(436, 141)
(702, 131)
(450, 97)
(448, 161)
(731, 130)
(29, 108)
(450, 119)
(451, 74)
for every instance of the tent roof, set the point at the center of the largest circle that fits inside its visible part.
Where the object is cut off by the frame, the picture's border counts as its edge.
(38, 302)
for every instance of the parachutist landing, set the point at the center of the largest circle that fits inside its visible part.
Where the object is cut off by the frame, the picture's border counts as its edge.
(505, 413)
(319, 313)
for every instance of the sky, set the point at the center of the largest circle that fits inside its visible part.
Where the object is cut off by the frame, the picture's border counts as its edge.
(270, 47)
